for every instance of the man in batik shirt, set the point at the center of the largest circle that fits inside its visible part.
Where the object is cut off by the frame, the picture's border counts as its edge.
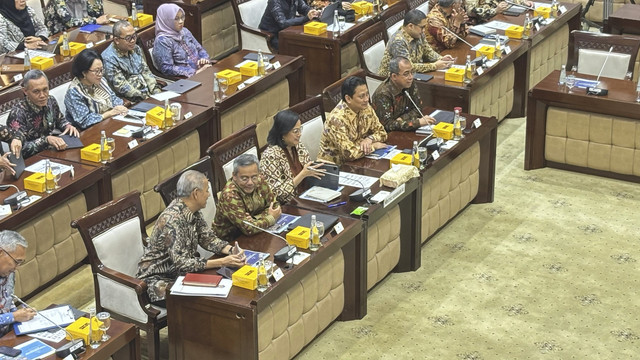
(125, 68)
(442, 17)
(352, 129)
(245, 197)
(481, 11)
(172, 248)
(37, 117)
(410, 42)
(394, 109)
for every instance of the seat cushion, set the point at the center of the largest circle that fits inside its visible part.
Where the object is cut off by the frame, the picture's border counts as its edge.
(309, 136)
(109, 245)
(251, 12)
(373, 56)
(590, 62)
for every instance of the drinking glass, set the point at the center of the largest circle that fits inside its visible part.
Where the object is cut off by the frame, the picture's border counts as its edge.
(57, 175)
(342, 22)
(263, 279)
(570, 82)
(105, 318)
(111, 143)
(463, 125)
(224, 85)
(422, 155)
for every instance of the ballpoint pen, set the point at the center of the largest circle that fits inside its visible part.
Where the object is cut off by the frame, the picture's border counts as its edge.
(337, 204)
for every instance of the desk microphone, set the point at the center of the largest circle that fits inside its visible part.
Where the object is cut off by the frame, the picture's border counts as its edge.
(521, 5)
(73, 348)
(360, 195)
(456, 35)
(143, 131)
(283, 254)
(596, 90)
(406, 93)
(14, 199)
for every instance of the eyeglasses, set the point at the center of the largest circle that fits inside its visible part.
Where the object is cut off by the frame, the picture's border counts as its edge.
(296, 131)
(407, 74)
(180, 18)
(97, 72)
(129, 38)
(18, 262)
(245, 179)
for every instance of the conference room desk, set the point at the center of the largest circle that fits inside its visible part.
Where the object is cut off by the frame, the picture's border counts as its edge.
(287, 316)
(328, 58)
(462, 175)
(123, 345)
(625, 20)
(256, 103)
(584, 133)
(53, 250)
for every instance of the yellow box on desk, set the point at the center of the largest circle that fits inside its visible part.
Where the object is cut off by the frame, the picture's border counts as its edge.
(231, 76)
(245, 277)
(404, 159)
(362, 7)
(454, 74)
(315, 28)
(143, 20)
(75, 48)
(79, 329)
(542, 10)
(91, 153)
(299, 237)
(486, 50)
(156, 116)
(249, 69)
(514, 31)
(443, 130)
(35, 182)
(41, 62)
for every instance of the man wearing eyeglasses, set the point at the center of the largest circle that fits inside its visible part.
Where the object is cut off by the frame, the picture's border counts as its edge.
(125, 67)
(410, 42)
(395, 110)
(245, 197)
(13, 248)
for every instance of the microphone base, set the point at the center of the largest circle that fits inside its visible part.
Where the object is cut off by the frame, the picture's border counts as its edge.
(74, 347)
(285, 253)
(597, 91)
(14, 199)
(360, 195)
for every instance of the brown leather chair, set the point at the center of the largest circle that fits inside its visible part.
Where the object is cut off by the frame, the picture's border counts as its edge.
(422, 5)
(8, 100)
(248, 15)
(371, 44)
(226, 150)
(106, 231)
(312, 118)
(623, 46)
(393, 17)
(332, 94)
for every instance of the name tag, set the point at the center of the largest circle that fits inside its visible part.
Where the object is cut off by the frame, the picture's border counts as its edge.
(17, 78)
(188, 115)
(477, 123)
(435, 154)
(278, 274)
(507, 50)
(338, 228)
(89, 45)
(241, 86)
(537, 26)
(562, 9)
(479, 70)
(133, 143)
(276, 65)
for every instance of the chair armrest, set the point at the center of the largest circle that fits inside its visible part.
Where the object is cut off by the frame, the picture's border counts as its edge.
(124, 279)
(265, 34)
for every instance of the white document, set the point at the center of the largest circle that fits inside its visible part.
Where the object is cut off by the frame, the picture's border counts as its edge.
(357, 181)
(244, 63)
(165, 95)
(221, 290)
(55, 336)
(345, 27)
(498, 25)
(62, 316)
(320, 194)
(34, 53)
(40, 166)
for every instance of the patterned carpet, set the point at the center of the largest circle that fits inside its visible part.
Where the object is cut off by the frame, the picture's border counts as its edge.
(547, 271)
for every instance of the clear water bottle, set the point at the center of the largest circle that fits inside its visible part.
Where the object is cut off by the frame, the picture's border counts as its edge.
(563, 75)
(336, 25)
(468, 70)
(526, 33)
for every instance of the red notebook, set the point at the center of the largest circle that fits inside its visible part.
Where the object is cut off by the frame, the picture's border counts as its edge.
(194, 279)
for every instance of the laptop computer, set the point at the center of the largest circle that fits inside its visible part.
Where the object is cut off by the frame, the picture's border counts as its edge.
(305, 220)
(181, 86)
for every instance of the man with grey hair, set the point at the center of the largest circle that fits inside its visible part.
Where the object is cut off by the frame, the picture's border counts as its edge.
(38, 118)
(245, 197)
(13, 248)
(180, 228)
(125, 68)
(391, 99)
(447, 18)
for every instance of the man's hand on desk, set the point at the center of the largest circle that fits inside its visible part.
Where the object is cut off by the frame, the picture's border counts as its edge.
(529, 3)
(56, 142)
(275, 210)
(23, 314)
(427, 120)
(71, 130)
(443, 63)
(6, 164)
(102, 20)
(201, 69)
(502, 7)
(313, 14)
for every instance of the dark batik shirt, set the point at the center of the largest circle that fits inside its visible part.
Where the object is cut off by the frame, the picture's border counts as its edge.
(395, 111)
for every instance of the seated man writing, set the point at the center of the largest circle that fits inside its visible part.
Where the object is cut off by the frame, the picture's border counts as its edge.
(391, 99)
(180, 228)
(410, 42)
(38, 116)
(352, 129)
(246, 197)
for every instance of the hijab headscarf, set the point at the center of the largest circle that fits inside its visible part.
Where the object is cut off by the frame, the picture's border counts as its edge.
(165, 21)
(19, 18)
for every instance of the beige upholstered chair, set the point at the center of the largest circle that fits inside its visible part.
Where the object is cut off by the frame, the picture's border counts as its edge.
(248, 15)
(118, 7)
(36, 5)
(106, 231)
(226, 150)
(589, 51)
(312, 118)
(393, 17)
(371, 44)
(332, 94)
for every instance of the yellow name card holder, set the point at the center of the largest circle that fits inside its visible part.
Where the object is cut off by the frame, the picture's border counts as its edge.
(231, 76)
(79, 329)
(249, 69)
(75, 48)
(156, 116)
(404, 159)
(542, 10)
(486, 50)
(245, 277)
(35, 182)
(41, 62)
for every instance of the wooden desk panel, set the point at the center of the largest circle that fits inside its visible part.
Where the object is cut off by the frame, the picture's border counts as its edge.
(625, 20)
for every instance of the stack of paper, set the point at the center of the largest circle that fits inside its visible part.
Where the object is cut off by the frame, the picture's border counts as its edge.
(221, 290)
(320, 194)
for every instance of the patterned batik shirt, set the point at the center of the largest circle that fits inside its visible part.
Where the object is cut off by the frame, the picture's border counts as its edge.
(12, 38)
(277, 171)
(172, 248)
(58, 18)
(7, 135)
(36, 123)
(481, 11)
(128, 74)
(395, 111)
(178, 57)
(422, 56)
(6, 303)
(235, 206)
(345, 129)
(86, 104)
(437, 36)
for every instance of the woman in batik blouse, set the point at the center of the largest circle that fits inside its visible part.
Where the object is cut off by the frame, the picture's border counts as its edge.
(60, 15)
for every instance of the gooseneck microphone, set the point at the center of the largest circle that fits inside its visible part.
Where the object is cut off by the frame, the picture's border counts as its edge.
(596, 90)
(283, 254)
(456, 35)
(406, 93)
(521, 5)
(14, 199)
(73, 347)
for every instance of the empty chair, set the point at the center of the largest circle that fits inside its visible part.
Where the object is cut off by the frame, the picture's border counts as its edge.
(589, 51)
(371, 44)
(248, 14)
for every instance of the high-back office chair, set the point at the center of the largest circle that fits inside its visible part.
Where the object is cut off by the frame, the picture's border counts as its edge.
(588, 52)
(312, 118)
(393, 17)
(168, 191)
(59, 80)
(106, 231)
(226, 150)
(422, 5)
(8, 100)
(332, 94)
(248, 15)
(370, 44)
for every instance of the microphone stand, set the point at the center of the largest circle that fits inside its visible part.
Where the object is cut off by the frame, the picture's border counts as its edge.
(597, 90)
(521, 5)
(289, 250)
(406, 92)
(458, 37)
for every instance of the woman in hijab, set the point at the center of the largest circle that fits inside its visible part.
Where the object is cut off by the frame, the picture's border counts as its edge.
(19, 27)
(60, 15)
(176, 52)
